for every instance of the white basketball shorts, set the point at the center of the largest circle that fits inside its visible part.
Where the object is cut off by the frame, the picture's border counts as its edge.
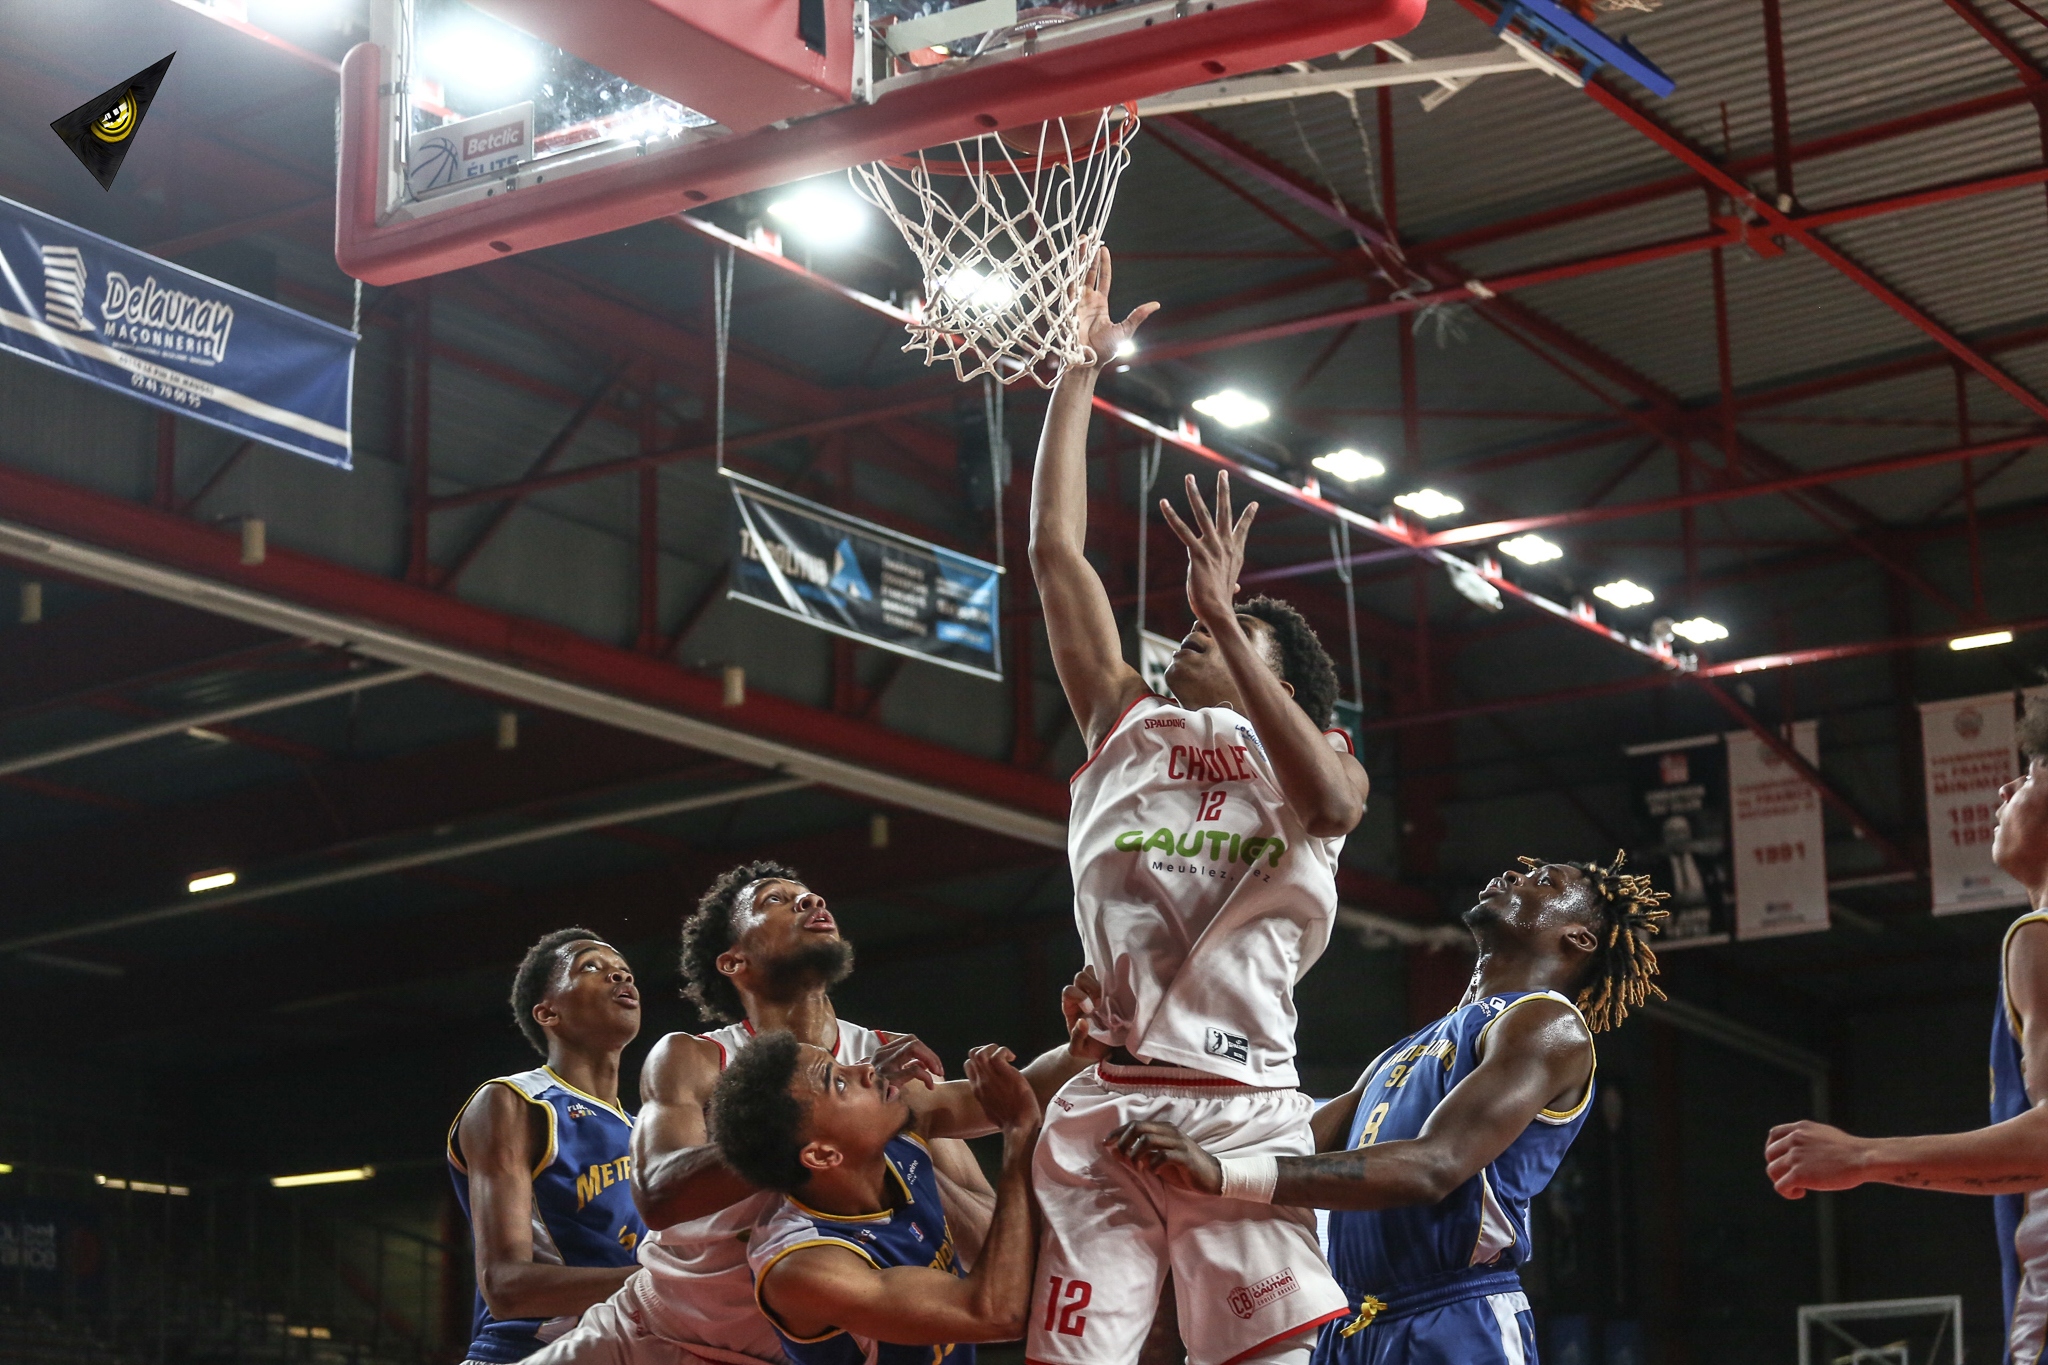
(616, 1332)
(1246, 1276)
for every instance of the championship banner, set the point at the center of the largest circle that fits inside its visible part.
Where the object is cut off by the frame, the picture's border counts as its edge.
(1970, 751)
(155, 331)
(1781, 874)
(1681, 792)
(853, 578)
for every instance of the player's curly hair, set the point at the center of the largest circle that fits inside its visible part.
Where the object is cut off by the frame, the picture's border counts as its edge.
(708, 932)
(1304, 663)
(1631, 914)
(757, 1124)
(2033, 732)
(536, 973)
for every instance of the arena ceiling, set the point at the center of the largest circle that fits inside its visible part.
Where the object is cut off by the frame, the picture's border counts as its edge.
(1761, 418)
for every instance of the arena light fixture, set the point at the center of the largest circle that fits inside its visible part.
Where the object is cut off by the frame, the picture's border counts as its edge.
(1624, 594)
(1352, 466)
(112, 1182)
(1994, 637)
(480, 58)
(210, 881)
(820, 215)
(1699, 630)
(1233, 408)
(1532, 549)
(1126, 348)
(6, 1168)
(991, 292)
(293, 1182)
(1429, 504)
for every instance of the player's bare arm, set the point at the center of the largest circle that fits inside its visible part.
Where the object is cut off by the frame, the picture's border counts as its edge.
(954, 1109)
(502, 1138)
(2004, 1158)
(1539, 1056)
(678, 1174)
(1086, 648)
(1327, 789)
(816, 1289)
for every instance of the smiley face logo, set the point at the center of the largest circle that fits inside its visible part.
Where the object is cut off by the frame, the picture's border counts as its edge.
(118, 122)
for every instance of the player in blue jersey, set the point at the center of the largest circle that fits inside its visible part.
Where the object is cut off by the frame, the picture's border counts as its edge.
(857, 1265)
(541, 1160)
(1430, 1162)
(2008, 1159)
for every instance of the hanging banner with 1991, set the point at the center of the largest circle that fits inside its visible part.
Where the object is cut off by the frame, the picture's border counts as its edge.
(1781, 874)
(851, 577)
(1971, 751)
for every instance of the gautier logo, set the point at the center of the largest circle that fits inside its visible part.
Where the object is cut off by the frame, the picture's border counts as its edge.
(1219, 845)
(1246, 1300)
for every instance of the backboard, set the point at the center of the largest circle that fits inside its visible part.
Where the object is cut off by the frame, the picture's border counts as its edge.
(472, 130)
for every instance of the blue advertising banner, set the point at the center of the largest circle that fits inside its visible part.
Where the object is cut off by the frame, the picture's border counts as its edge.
(854, 578)
(108, 313)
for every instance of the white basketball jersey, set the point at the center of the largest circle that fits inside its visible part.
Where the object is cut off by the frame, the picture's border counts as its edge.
(703, 1292)
(1200, 897)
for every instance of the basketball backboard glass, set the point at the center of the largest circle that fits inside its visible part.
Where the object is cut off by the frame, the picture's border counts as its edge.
(473, 129)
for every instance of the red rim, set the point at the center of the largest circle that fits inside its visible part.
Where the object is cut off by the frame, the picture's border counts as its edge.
(1024, 164)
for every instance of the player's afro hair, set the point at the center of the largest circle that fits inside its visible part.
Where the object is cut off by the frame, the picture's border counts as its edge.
(536, 973)
(2033, 732)
(757, 1124)
(1304, 663)
(708, 932)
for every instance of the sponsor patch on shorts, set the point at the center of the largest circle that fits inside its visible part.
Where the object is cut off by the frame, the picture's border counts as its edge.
(1235, 1046)
(1248, 1299)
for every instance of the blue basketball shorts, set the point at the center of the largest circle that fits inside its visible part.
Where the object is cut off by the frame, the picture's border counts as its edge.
(1494, 1329)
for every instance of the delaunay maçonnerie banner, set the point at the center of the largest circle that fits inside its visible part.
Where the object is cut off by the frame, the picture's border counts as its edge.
(161, 333)
(854, 578)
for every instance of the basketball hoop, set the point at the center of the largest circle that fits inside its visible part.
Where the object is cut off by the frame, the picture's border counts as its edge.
(1004, 257)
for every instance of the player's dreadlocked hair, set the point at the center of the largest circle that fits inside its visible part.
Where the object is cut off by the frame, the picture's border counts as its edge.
(1304, 663)
(708, 932)
(1624, 964)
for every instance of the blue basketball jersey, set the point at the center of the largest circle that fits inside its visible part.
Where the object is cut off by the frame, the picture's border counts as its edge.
(1471, 1242)
(912, 1233)
(583, 1213)
(2021, 1219)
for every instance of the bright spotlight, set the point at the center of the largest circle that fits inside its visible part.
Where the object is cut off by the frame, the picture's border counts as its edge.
(1699, 630)
(991, 293)
(1429, 504)
(819, 215)
(1126, 348)
(1349, 465)
(1232, 408)
(1623, 594)
(1532, 549)
(210, 881)
(292, 1182)
(1995, 637)
(482, 59)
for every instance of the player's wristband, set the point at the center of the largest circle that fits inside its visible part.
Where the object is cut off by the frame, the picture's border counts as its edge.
(1249, 1177)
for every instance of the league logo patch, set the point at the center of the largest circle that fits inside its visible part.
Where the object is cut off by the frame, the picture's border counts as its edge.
(1234, 1046)
(580, 1111)
(1246, 1300)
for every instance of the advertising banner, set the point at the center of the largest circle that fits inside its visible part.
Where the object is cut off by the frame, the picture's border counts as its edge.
(854, 578)
(1681, 792)
(1970, 751)
(173, 338)
(1781, 875)
(489, 144)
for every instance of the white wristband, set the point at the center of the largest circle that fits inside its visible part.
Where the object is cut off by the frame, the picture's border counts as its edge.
(1249, 1177)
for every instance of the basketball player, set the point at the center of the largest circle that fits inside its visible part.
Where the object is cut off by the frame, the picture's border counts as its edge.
(1430, 1162)
(1204, 836)
(761, 950)
(2009, 1159)
(541, 1160)
(857, 1263)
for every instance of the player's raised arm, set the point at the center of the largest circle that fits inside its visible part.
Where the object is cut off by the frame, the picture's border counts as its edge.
(1326, 789)
(1086, 648)
(678, 1174)
(1537, 1055)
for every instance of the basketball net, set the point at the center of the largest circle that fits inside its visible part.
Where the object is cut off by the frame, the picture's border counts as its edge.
(1005, 237)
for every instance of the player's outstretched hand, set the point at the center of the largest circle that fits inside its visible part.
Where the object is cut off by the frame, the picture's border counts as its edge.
(1005, 1095)
(1806, 1156)
(1215, 550)
(1092, 318)
(1080, 1002)
(1165, 1151)
(906, 1058)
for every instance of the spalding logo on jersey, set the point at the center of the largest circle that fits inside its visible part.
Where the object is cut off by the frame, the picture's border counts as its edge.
(1234, 1046)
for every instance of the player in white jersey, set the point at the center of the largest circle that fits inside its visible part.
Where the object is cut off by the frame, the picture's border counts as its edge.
(763, 950)
(1204, 836)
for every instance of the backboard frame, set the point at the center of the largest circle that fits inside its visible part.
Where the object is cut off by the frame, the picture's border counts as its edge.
(384, 237)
